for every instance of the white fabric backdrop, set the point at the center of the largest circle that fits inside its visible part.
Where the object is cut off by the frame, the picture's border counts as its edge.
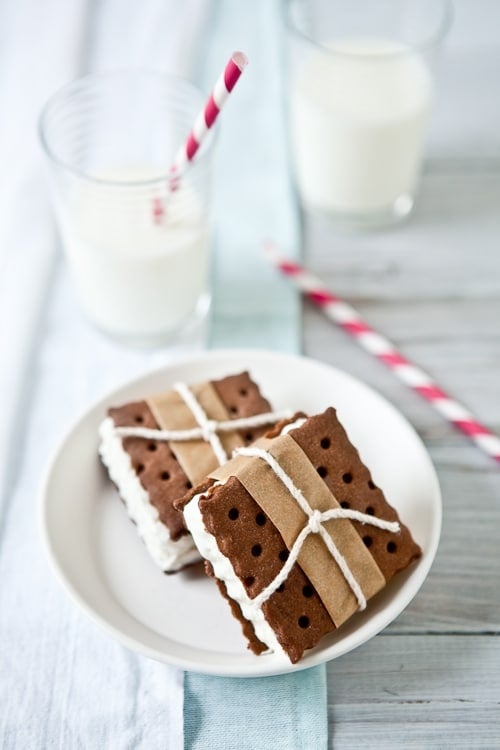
(52, 660)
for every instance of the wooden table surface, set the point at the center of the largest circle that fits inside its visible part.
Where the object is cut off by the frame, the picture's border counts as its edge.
(432, 285)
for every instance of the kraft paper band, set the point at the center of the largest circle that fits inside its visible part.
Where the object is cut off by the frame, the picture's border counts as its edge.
(196, 457)
(314, 558)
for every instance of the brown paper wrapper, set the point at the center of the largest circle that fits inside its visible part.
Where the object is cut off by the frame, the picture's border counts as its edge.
(283, 510)
(196, 457)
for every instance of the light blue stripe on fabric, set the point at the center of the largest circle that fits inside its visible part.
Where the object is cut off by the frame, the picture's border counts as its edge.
(253, 307)
(254, 198)
(286, 712)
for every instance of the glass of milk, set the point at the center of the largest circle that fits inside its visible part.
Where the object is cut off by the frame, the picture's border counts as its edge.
(361, 89)
(138, 252)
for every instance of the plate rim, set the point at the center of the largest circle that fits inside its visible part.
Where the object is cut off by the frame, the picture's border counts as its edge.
(313, 658)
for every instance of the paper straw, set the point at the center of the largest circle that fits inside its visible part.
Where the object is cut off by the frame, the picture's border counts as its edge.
(208, 115)
(349, 319)
(203, 124)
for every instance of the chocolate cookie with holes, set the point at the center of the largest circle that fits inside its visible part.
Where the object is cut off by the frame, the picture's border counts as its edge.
(297, 534)
(157, 449)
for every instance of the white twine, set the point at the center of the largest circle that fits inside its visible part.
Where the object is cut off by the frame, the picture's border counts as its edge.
(207, 429)
(207, 425)
(314, 525)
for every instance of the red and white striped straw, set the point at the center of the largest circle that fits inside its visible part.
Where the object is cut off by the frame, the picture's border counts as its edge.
(347, 318)
(208, 115)
(203, 124)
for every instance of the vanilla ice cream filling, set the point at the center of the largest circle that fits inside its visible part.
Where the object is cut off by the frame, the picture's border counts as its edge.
(168, 554)
(224, 571)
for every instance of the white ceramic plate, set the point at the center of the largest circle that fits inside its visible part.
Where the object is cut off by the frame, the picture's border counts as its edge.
(181, 619)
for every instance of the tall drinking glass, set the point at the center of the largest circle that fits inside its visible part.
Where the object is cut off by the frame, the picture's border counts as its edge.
(138, 252)
(361, 89)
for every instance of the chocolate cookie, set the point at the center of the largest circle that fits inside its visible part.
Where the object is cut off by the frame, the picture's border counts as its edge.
(307, 482)
(152, 473)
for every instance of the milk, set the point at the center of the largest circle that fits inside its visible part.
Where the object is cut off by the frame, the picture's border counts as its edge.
(136, 278)
(358, 118)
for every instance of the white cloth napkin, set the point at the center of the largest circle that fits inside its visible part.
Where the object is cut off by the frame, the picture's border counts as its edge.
(64, 684)
(35, 58)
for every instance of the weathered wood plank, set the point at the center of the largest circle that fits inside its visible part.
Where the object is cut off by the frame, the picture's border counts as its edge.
(457, 342)
(416, 692)
(462, 592)
(466, 74)
(448, 250)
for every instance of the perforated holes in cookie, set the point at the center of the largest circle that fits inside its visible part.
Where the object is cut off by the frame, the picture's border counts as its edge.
(353, 487)
(240, 525)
